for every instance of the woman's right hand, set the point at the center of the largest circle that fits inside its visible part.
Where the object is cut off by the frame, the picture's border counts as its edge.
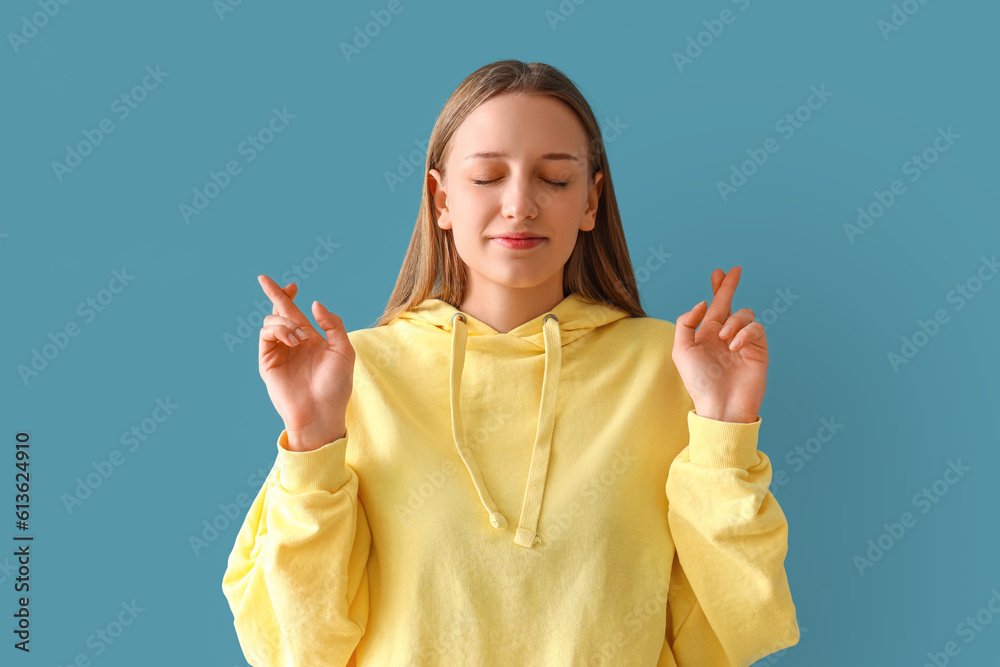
(309, 381)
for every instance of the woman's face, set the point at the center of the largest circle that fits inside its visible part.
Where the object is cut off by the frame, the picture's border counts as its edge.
(534, 179)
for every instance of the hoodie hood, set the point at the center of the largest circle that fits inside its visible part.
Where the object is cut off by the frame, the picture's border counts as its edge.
(572, 318)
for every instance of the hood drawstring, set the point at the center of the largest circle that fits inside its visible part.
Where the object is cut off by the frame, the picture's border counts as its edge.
(535, 487)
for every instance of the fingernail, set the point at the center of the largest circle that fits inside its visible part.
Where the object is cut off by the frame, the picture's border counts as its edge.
(292, 338)
(301, 334)
(726, 330)
(735, 344)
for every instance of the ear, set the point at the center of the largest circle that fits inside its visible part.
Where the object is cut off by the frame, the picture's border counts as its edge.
(593, 201)
(439, 198)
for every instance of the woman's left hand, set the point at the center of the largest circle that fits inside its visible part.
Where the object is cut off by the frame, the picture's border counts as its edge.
(724, 375)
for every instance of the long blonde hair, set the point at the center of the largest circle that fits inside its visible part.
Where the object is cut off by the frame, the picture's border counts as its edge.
(599, 267)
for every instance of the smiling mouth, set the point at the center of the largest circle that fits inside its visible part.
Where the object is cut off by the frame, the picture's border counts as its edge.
(518, 242)
(518, 235)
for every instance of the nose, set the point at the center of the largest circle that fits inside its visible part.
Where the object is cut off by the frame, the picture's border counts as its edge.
(520, 199)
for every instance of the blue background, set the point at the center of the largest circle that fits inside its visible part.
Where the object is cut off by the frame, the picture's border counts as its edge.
(680, 131)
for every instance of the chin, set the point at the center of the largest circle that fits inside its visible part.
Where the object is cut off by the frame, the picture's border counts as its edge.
(521, 279)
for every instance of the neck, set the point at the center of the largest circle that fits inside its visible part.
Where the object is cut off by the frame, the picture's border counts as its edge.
(505, 308)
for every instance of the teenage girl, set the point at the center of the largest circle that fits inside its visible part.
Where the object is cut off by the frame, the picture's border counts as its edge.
(515, 465)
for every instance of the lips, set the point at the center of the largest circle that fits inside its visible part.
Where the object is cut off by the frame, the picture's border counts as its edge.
(519, 235)
(518, 242)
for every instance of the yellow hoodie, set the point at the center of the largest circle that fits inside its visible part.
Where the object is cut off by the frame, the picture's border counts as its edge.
(542, 497)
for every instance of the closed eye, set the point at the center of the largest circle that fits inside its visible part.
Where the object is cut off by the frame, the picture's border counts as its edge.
(557, 184)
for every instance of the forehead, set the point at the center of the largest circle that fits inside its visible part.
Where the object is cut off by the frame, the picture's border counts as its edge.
(523, 126)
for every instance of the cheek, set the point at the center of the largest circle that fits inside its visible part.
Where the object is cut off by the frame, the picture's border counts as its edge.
(468, 206)
(568, 210)
(466, 230)
(471, 214)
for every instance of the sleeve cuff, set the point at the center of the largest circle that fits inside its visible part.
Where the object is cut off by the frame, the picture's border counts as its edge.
(322, 469)
(718, 444)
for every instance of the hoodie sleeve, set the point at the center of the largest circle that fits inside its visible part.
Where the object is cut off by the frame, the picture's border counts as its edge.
(296, 579)
(729, 596)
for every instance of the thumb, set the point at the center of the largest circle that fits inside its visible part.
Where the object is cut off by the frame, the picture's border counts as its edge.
(331, 324)
(685, 328)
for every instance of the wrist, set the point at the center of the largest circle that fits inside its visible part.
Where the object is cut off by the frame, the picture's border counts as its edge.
(723, 415)
(313, 437)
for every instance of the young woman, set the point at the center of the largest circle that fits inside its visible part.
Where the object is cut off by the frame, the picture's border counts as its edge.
(515, 465)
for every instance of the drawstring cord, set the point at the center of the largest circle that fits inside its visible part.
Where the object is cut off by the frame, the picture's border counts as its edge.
(526, 535)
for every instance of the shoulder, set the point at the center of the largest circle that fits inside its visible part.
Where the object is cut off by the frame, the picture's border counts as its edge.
(378, 349)
(654, 338)
(651, 325)
(368, 341)
(647, 330)
(377, 336)
(634, 341)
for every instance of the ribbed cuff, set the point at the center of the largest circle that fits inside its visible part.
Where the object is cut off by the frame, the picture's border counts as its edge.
(321, 469)
(718, 444)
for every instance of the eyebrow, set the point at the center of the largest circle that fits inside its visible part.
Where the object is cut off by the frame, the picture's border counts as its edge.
(495, 155)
